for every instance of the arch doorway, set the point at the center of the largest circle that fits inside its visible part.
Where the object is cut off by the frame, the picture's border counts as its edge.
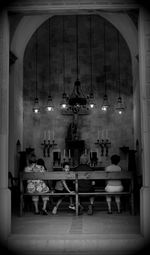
(27, 27)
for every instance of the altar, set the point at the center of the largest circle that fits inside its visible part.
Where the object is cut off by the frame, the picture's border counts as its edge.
(76, 148)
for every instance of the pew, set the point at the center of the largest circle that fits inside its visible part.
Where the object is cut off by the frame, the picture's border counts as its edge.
(75, 176)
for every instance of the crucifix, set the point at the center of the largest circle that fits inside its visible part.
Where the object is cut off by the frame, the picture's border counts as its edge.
(74, 128)
(74, 144)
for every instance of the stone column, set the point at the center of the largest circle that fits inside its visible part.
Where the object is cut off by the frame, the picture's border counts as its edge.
(5, 196)
(144, 61)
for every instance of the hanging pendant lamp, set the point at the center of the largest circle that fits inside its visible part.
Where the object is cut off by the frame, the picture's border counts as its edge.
(50, 105)
(120, 107)
(36, 107)
(91, 96)
(105, 105)
(64, 102)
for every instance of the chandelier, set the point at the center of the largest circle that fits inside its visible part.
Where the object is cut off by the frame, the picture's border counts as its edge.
(77, 101)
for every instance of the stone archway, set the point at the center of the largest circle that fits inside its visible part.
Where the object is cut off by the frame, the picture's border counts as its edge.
(28, 26)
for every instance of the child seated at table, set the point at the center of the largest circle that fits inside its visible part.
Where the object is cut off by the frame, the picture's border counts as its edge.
(61, 187)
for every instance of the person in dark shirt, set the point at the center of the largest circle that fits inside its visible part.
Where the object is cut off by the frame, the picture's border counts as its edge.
(85, 185)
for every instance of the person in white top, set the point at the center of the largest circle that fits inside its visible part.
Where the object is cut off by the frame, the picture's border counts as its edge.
(113, 185)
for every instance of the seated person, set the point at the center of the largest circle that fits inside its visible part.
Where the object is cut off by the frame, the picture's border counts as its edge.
(37, 186)
(63, 186)
(113, 185)
(41, 162)
(85, 185)
(29, 155)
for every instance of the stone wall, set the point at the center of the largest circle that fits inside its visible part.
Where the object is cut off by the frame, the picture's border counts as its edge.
(120, 127)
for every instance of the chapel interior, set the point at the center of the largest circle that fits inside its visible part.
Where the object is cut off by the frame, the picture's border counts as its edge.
(63, 50)
(66, 51)
(104, 69)
(75, 88)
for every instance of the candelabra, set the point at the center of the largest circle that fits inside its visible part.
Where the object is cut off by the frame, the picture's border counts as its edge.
(93, 158)
(68, 160)
(47, 146)
(105, 145)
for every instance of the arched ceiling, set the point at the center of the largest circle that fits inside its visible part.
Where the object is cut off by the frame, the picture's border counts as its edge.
(28, 25)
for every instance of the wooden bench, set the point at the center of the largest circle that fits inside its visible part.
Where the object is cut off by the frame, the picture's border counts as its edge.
(75, 176)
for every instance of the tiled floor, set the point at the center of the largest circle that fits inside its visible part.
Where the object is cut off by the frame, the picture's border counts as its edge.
(68, 234)
(68, 223)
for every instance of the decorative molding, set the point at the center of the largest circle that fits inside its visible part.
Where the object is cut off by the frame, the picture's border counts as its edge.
(59, 5)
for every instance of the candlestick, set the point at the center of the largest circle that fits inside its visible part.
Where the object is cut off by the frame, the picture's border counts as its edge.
(53, 135)
(107, 134)
(104, 143)
(69, 154)
(64, 153)
(98, 135)
(47, 145)
(103, 134)
(48, 148)
(90, 154)
(44, 138)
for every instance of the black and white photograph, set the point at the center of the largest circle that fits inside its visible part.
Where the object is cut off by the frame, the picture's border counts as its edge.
(74, 127)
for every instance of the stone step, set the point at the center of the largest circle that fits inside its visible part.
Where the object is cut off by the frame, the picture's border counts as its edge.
(76, 244)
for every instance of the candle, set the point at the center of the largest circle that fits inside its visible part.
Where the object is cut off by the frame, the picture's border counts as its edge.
(107, 134)
(49, 135)
(53, 135)
(98, 135)
(64, 153)
(90, 154)
(103, 134)
(69, 154)
(44, 135)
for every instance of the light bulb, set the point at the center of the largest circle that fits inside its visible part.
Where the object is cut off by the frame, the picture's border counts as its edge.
(36, 110)
(104, 108)
(91, 105)
(49, 108)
